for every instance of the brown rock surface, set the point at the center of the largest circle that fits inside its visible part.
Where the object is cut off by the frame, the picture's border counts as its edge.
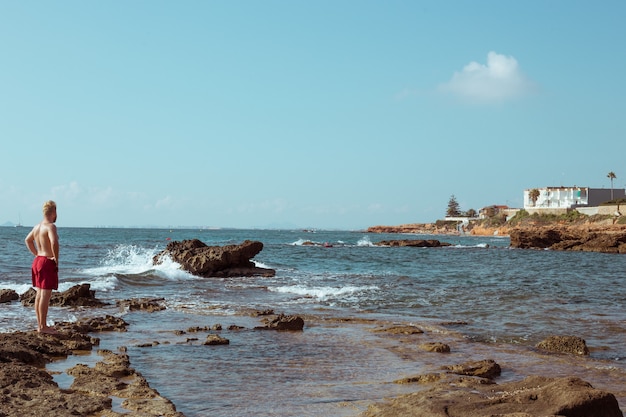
(283, 322)
(532, 397)
(6, 296)
(199, 259)
(26, 389)
(443, 228)
(564, 344)
(573, 238)
(78, 295)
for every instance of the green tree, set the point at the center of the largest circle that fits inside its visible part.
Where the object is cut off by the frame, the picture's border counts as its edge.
(611, 175)
(534, 195)
(471, 213)
(453, 207)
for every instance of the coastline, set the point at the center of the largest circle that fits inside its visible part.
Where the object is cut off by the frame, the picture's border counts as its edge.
(152, 339)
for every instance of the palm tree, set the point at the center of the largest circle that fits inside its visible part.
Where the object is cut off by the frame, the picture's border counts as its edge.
(611, 176)
(534, 195)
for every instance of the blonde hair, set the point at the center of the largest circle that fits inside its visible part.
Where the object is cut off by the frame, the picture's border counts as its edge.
(48, 207)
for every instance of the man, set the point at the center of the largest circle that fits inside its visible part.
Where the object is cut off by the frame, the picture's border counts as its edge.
(43, 242)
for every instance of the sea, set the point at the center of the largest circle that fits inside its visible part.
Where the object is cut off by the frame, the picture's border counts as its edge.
(478, 295)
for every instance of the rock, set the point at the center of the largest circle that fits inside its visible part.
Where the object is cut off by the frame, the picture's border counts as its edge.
(282, 322)
(28, 390)
(482, 369)
(199, 259)
(6, 296)
(403, 329)
(417, 243)
(532, 397)
(571, 238)
(564, 344)
(435, 347)
(142, 304)
(443, 228)
(420, 379)
(77, 296)
(215, 339)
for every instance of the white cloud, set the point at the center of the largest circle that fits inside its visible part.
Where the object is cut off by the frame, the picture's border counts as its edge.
(501, 79)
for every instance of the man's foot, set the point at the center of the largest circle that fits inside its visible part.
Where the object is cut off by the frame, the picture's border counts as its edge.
(48, 330)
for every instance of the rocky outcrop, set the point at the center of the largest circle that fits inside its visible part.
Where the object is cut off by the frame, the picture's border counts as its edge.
(206, 261)
(417, 243)
(283, 322)
(6, 296)
(609, 240)
(535, 396)
(77, 296)
(443, 228)
(26, 389)
(564, 344)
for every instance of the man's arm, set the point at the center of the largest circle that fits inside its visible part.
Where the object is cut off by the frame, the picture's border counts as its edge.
(30, 242)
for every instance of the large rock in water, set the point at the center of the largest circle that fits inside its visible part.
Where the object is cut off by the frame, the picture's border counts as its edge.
(534, 396)
(569, 238)
(202, 260)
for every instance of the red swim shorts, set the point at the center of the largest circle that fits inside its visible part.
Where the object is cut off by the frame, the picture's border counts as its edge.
(45, 273)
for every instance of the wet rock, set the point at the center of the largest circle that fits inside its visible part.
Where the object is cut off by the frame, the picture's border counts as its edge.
(435, 347)
(483, 369)
(420, 379)
(564, 344)
(149, 305)
(26, 389)
(532, 397)
(402, 329)
(107, 323)
(214, 339)
(569, 238)
(199, 259)
(282, 322)
(417, 243)
(6, 296)
(77, 296)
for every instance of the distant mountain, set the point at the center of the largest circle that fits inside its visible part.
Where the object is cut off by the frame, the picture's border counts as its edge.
(8, 224)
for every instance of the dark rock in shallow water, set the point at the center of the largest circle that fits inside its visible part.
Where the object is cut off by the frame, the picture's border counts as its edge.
(199, 259)
(564, 344)
(534, 396)
(6, 296)
(78, 295)
(418, 243)
(282, 322)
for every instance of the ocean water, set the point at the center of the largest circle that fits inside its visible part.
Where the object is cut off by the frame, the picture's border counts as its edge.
(485, 300)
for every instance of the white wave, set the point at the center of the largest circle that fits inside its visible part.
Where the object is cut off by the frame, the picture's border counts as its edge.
(260, 264)
(18, 288)
(364, 241)
(478, 245)
(132, 259)
(322, 293)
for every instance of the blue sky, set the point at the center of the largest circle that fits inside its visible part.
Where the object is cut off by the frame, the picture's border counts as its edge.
(326, 114)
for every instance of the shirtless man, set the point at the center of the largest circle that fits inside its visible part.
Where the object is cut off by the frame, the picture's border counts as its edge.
(43, 242)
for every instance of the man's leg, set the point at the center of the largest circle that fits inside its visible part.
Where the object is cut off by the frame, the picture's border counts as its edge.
(42, 310)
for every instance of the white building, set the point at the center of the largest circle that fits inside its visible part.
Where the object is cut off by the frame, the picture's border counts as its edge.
(569, 197)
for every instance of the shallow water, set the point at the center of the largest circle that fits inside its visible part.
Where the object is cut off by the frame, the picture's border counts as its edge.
(509, 300)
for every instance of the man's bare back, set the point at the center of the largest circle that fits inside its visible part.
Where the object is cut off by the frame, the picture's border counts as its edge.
(43, 240)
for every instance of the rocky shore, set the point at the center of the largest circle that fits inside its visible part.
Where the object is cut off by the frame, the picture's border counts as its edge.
(468, 389)
(605, 237)
(28, 389)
